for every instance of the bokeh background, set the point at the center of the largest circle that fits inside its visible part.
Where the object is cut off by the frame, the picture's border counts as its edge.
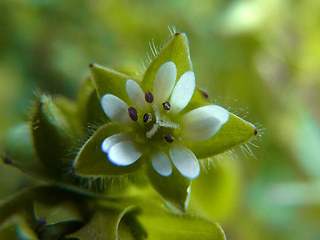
(260, 59)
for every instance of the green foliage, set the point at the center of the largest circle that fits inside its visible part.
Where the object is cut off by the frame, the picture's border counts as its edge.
(62, 145)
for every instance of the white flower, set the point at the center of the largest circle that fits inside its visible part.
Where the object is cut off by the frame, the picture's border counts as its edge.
(156, 126)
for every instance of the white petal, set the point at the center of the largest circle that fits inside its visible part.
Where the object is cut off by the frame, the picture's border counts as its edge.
(136, 94)
(185, 161)
(183, 92)
(112, 140)
(164, 82)
(115, 109)
(202, 123)
(124, 153)
(161, 163)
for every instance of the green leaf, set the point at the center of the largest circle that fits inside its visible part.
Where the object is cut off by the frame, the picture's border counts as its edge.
(177, 51)
(104, 224)
(19, 152)
(89, 108)
(53, 134)
(92, 162)
(58, 218)
(15, 228)
(109, 81)
(56, 213)
(235, 132)
(175, 189)
(162, 224)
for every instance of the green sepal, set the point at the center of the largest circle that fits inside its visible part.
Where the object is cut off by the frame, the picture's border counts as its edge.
(108, 81)
(233, 133)
(177, 51)
(18, 151)
(175, 189)
(16, 228)
(54, 133)
(92, 162)
(105, 224)
(89, 109)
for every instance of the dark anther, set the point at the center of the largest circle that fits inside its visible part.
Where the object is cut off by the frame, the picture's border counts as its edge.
(168, 138)
(7, 160)
(91, 65)
(176, 34)
(255, 131)
(147, 118)
(133, 113)
(166, 106)
(149, 97)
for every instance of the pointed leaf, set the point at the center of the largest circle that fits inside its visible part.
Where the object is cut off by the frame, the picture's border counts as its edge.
(53, 134)
(91, 161)
(175, 189)
(235, 132)
(109, 81)
(57, 218)
(57, 212)
(177, 51)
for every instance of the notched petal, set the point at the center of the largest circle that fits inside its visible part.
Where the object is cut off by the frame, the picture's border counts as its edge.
(124, 153)
(136, 94)
(185, 161)
(161, 163)
(183, 91)
(164, 81)
(112, 140)
(202, 123)
(115, 109)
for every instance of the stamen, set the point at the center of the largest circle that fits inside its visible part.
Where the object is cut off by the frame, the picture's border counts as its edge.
(153, 130)
(168, 124)
(166, 106)
(133, 113)
(147, 117)
(168, 138)
(149, 97)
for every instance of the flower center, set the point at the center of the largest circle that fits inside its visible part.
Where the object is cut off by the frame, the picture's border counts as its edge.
(157, 121)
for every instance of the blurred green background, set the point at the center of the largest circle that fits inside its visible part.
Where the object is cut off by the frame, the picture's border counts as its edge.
(260, 59)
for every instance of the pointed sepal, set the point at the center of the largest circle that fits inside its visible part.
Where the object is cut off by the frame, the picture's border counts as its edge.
(175, 189)
(91, 161)
(176, 51)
